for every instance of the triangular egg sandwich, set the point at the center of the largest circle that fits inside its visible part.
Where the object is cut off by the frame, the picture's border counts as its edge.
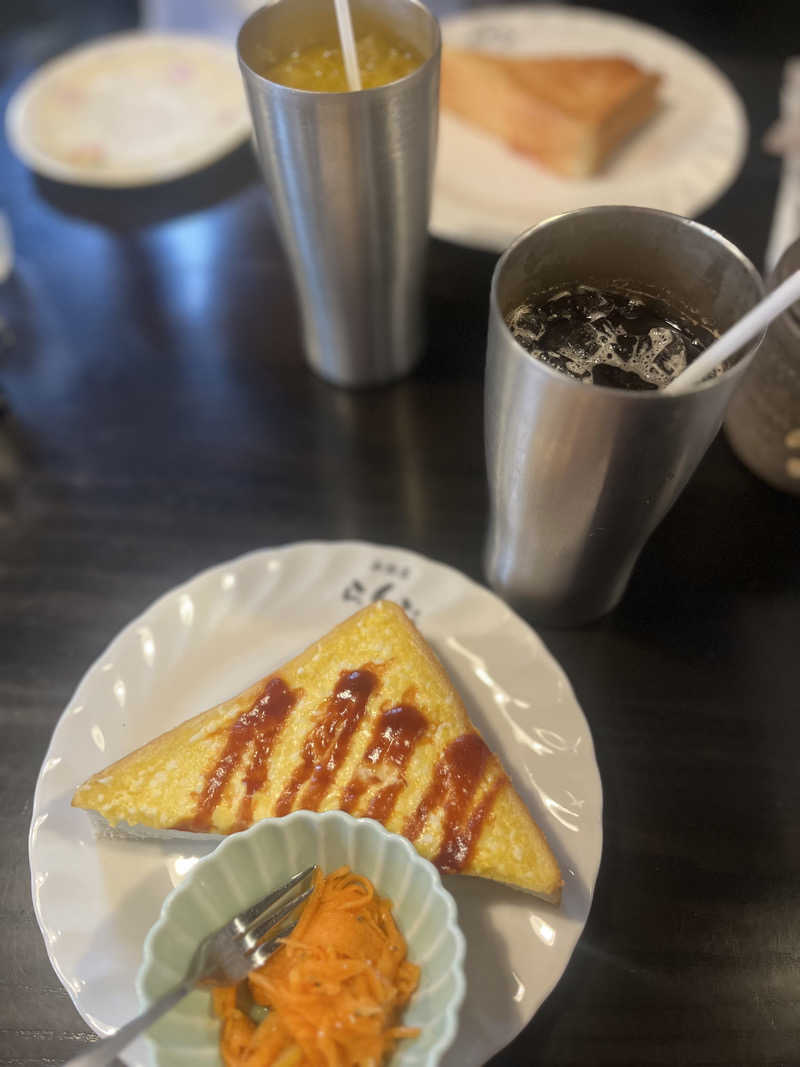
(366, 721)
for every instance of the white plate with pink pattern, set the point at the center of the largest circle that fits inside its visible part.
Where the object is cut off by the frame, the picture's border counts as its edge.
(130, 109)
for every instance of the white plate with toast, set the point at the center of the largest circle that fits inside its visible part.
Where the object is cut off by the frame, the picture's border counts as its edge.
(97, 896)
(681, 159)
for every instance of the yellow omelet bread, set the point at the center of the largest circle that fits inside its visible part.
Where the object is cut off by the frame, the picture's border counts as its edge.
(365, 720)
(569, 112)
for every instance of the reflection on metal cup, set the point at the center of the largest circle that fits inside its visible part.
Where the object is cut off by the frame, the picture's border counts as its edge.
(350, 175)
(580, 475)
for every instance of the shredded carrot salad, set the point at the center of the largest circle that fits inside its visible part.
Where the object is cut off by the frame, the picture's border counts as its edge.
(335, 988)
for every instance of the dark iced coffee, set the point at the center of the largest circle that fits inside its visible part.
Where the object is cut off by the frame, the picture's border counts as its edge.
(609, 337)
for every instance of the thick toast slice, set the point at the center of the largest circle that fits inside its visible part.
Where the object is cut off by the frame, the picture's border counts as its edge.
(365, 720)
(569, 112)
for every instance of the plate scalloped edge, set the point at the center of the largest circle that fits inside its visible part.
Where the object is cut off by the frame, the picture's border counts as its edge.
(496, 910)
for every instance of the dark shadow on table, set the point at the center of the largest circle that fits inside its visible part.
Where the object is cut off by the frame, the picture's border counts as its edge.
(456, 277)
(712, 538)
(132, 208)
(17, 450)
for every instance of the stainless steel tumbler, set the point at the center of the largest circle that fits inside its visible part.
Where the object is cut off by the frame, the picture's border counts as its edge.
(580, 475)
(350, 176)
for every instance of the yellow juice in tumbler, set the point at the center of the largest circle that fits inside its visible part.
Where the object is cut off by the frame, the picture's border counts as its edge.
(381, 59)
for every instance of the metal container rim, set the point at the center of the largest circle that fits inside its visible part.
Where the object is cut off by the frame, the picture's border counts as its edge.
(288, 90)
(635, 395)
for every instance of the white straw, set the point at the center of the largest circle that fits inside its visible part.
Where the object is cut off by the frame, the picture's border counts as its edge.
(348, 42)
(739, 334)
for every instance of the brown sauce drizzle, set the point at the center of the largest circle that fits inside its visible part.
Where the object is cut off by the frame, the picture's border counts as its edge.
(456, 778)
(325, 746)
(394, 738)
(457, 847)
(261, 723)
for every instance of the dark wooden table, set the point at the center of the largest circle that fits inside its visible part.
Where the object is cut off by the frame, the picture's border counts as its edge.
(162, 419)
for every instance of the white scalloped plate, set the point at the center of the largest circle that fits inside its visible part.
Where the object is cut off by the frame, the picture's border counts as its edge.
(130, 109)
(681, 161)
(95, 899)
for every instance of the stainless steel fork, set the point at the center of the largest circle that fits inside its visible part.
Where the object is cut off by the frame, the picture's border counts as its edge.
(222, 958)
